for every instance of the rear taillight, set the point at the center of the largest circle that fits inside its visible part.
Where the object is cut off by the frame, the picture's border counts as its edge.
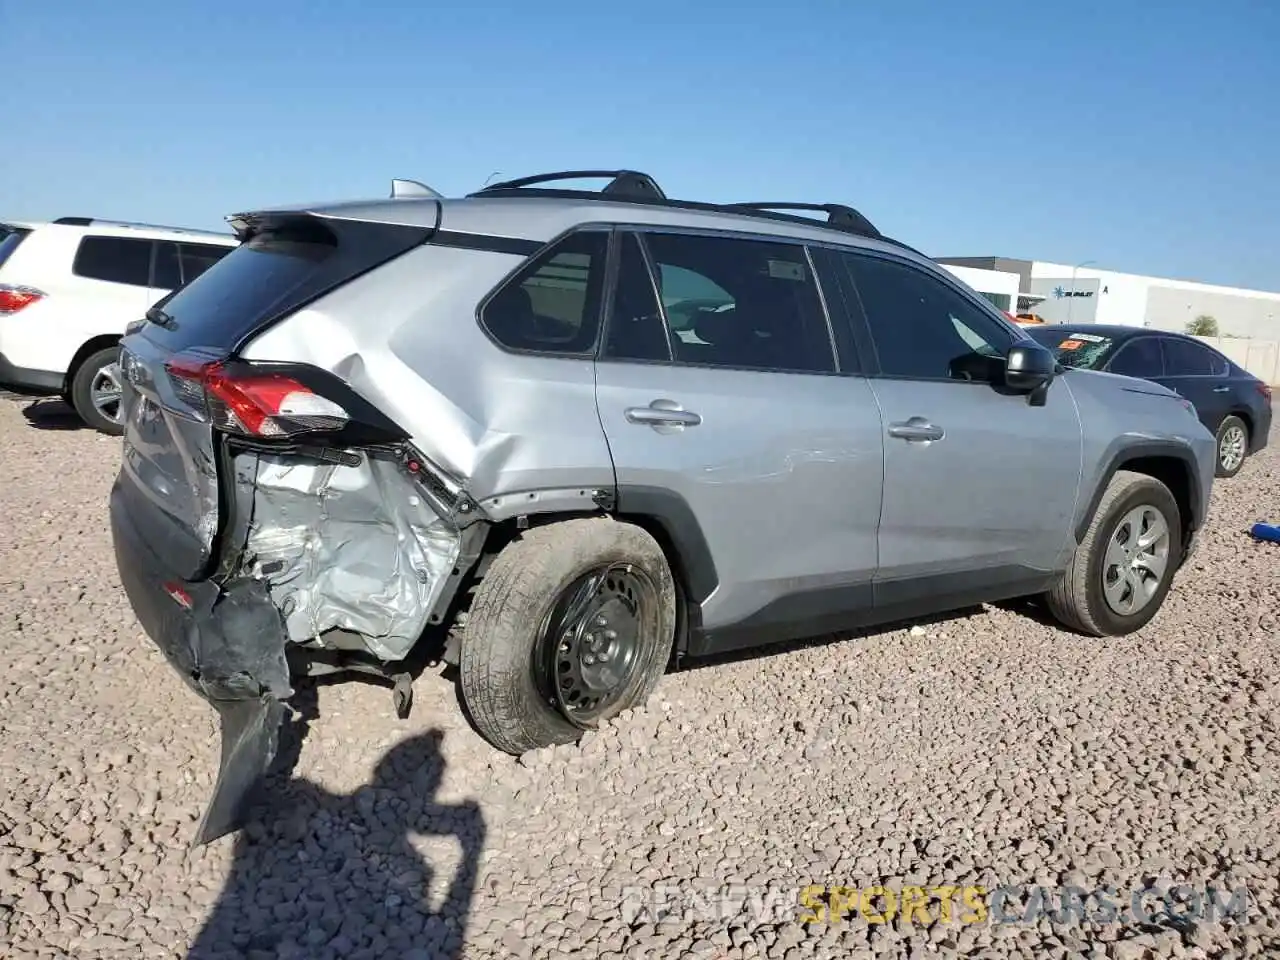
(1265, 391)
(240, 399)
(14, 298)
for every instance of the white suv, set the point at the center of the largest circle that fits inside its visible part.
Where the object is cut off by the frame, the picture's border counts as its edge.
(69, 288)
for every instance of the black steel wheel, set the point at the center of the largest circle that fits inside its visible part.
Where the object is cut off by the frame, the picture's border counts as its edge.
(572, 624)
(590, 645)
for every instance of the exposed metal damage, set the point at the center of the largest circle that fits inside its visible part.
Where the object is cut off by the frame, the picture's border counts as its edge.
(351, 546)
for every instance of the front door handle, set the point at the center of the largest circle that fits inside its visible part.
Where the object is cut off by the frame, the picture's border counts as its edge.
(1221, 389)
(916, 430)
(662, 413)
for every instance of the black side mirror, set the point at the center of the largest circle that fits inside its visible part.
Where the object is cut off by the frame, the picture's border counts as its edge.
(1029, 368)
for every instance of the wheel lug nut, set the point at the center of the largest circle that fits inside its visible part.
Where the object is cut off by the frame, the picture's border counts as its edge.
(588, 659)
(602, 622)
(611, 634)
(603, 656)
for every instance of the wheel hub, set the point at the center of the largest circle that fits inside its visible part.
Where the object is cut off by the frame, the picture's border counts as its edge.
(1231, 452)
(598, 628)
(1136, 560)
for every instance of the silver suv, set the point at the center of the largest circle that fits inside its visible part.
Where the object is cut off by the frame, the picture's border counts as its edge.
(562, 438)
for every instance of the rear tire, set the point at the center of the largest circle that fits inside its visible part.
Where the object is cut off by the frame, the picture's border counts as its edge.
(1109, 589)
(95, 395)
(1233, 446)
(551, 646)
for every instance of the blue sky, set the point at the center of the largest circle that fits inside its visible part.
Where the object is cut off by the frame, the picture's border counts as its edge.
(1143, 136)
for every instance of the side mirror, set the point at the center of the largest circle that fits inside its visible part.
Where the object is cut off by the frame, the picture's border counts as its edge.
(1029, 368)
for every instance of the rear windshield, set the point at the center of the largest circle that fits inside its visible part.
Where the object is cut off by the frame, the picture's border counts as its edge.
(249, 286)
(1073, 348)
(283, 268)
(10, 237)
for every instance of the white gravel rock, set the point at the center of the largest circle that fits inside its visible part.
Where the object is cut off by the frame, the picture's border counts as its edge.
(988, 748)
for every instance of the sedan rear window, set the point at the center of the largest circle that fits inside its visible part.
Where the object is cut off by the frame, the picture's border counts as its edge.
(1074, 348)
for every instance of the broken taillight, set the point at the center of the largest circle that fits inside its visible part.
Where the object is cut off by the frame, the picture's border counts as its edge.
(14, 298)
(257, 403)
(1265, 390)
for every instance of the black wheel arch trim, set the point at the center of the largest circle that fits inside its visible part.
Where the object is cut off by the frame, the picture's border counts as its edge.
(1142, 450)
(672, 513)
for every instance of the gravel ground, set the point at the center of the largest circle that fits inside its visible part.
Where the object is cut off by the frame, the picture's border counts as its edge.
(986, 749)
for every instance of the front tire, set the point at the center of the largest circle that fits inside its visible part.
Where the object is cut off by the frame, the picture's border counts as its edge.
(1233, 446)
(572, 624)
(1123, 568)
(95, 393)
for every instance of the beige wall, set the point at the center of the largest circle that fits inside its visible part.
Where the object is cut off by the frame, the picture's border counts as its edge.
(1259, 357)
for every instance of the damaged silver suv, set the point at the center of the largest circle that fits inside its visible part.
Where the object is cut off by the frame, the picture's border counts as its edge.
(562, 437)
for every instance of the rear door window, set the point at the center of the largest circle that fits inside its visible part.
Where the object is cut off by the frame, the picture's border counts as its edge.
(1139, 358)
(114, 259)
(743, 303)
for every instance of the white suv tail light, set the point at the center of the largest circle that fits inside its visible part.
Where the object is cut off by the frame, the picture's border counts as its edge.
(14, 298)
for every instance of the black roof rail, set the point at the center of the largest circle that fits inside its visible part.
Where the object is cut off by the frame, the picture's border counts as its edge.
(838, 215)
(623, 184)
(74, 221)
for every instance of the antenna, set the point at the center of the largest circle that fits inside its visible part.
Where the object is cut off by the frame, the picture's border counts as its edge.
(412, 189)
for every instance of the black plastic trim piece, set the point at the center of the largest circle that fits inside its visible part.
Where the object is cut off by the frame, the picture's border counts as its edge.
(75, 221)
(622, 183)
(838, 215)
(814, 613)
(22, 379)
(481, 241)
(1141, 450)
(678, 521)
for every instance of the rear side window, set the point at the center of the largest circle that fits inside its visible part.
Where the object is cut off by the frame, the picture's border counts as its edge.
(179, 263)
(9, 241)
(1185, 358)
(553, 304)
(196, 258)
(114, 259)
(742, 303)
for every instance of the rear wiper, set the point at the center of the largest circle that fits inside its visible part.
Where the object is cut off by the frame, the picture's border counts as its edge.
(162, 319)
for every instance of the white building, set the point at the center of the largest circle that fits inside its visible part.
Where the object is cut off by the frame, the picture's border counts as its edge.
(999, 287)
(1062, 293)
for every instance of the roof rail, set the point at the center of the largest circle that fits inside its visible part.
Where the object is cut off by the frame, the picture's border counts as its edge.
(838, 215)
(74, 221)
(412, 189)
(623, 184)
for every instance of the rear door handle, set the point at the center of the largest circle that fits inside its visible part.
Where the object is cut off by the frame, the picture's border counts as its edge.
(662, 413)
(916, 430)
(1221, 389)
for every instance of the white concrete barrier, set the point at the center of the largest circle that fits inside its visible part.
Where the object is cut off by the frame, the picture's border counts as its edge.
(1259, 357)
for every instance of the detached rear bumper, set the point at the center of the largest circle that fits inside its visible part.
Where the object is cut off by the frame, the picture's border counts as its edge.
(228, 645)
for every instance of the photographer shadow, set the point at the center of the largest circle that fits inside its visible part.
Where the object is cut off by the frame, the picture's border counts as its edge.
(319, 875)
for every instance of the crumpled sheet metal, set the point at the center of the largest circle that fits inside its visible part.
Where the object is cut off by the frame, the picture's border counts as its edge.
(345, 547)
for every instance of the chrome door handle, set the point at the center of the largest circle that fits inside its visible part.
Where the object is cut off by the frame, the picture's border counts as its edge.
(916, 430)
(1221, 389)
(662, 413)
